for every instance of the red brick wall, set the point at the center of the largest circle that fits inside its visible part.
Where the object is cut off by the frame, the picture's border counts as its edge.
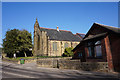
(81, 49)
(115, 48)
(103, 50)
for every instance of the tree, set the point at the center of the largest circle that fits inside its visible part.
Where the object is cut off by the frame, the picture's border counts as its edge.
(68, 52)
(10, 45)
(24, 41)
(16, 40)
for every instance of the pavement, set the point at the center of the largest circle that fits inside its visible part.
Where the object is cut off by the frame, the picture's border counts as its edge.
(30, 70)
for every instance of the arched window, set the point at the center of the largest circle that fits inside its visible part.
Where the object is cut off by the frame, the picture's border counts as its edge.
(65, 45)
(54, 46)
(38, 43)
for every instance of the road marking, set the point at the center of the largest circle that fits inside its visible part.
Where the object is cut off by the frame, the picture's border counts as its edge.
(18, 75)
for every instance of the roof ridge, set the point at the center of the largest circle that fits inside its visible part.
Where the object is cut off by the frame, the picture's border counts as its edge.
(65, 30)
(75, 34)
(106, 25)
(80, 33)
(47, 28)
(54, 29)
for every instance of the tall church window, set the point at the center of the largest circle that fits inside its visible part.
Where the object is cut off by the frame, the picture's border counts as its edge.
(54, 46)
(65, 45)
(38, 43)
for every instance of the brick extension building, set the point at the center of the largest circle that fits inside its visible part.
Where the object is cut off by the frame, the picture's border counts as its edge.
(52, 42)
(100, 44)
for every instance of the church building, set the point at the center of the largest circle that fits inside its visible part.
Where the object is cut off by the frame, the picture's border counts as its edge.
(52, 42)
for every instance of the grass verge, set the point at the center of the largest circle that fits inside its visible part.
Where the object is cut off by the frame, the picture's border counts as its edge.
(49, 57)
(18, 58)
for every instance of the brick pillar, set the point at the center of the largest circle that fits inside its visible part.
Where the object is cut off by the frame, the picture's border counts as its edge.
(109, 53)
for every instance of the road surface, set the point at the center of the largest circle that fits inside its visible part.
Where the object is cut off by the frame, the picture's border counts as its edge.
(12, 71)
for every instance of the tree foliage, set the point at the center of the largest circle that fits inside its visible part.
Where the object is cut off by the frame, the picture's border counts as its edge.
(68, 52)
(16, 40)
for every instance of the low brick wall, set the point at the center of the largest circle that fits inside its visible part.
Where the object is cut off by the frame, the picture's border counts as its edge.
(94, 66)
(87, 66)
(72, 64)
(50, 62)
(30, 60)
(47, 63)
(11, 61)
(69, 64)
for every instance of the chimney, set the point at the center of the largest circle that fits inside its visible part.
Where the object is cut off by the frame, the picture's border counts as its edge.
(57, 28)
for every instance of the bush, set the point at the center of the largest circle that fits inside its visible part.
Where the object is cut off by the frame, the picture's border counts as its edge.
(68, 52)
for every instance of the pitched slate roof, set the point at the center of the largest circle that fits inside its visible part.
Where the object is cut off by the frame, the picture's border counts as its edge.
(78, 36)
(81, 35)
(61, 35)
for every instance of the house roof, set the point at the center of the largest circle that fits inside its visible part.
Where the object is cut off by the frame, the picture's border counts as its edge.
(94, 36)
(110, 28)
(114, 29)
(81, 35)
(90, 38)
(61, 35)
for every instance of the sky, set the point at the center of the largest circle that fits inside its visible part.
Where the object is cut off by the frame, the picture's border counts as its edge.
(76, 17)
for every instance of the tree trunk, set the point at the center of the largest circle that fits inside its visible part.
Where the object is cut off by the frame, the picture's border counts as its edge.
(25, 54)
(14, 55)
